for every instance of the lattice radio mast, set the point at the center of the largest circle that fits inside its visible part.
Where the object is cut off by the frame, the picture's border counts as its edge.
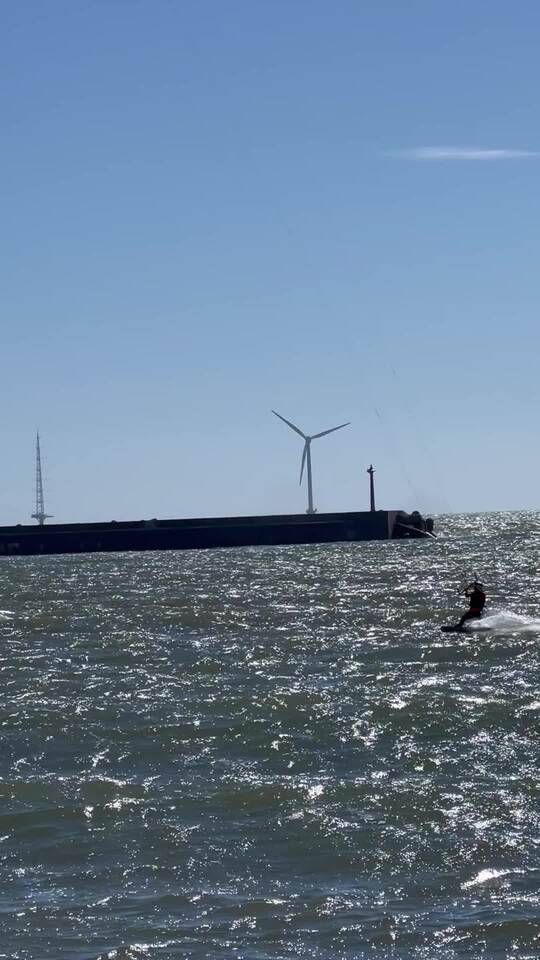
(40, 514)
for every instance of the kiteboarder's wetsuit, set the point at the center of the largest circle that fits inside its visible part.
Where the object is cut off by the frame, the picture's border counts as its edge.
(477, 599)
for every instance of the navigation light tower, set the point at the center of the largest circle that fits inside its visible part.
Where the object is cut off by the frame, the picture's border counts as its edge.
(371, 471)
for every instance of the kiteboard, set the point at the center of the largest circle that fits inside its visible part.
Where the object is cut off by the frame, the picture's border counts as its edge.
(455, 628)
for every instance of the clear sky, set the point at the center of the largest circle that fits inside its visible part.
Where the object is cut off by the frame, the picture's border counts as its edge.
(212, 209)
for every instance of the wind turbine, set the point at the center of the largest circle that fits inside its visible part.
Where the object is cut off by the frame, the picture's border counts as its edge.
(306, 455)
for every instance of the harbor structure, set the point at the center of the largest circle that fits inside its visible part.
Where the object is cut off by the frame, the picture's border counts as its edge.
(211, 532)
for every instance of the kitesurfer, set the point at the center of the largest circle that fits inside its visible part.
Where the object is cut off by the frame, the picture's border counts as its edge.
(477, 599)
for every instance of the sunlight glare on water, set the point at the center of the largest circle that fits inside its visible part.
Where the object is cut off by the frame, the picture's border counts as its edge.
(272, 752)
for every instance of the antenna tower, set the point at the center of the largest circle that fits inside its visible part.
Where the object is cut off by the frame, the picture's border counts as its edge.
(40, 514)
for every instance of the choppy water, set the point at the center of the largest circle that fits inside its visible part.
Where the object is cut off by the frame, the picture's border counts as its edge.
(270, 753)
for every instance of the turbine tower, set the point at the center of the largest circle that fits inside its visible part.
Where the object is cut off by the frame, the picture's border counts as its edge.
(40, 514)
(306, 455)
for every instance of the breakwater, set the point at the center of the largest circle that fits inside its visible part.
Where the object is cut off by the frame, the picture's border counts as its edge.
(211, 532)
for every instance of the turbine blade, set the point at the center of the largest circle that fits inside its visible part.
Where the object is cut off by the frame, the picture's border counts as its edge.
(289, 424)
(303, 463)
(324, 432)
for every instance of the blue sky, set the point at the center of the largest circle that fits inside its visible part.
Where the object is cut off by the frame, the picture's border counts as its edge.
(213, 209)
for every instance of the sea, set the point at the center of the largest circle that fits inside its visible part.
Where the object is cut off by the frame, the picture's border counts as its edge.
(268, 753)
